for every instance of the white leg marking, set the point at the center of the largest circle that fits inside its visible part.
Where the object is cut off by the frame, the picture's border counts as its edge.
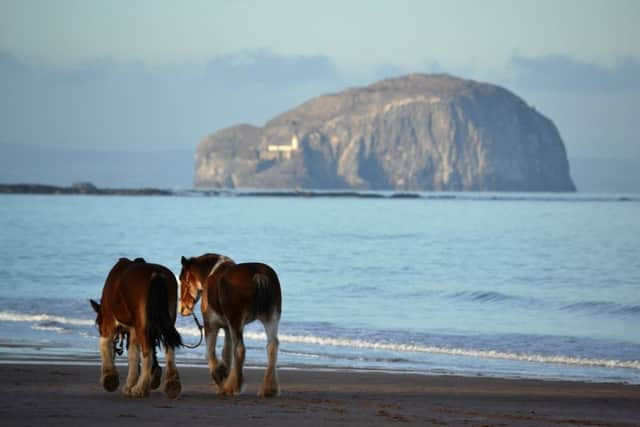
(134, 362)
(270, 384)
(108, 373)
(142, 388)
(106, 353)
(172, 386)
(234, 382)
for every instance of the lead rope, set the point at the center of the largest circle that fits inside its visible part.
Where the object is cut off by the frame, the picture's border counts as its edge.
(195, 319)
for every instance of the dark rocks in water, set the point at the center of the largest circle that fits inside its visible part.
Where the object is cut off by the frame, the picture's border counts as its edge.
(418, 132)
(82, 188)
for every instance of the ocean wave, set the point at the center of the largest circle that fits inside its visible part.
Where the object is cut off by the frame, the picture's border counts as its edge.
(441, 350)
(51, 328)
(484, 296)
(604, 307)
(359, 358)
(588, 307)
(12, 316)
(375, 237)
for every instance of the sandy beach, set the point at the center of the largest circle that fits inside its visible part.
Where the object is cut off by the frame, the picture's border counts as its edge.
(71, 395)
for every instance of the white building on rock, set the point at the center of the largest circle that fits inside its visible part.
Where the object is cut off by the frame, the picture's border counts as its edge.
(283, 151)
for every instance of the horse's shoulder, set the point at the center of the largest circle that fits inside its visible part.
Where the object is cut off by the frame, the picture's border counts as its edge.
(116, 273)
(213, 279)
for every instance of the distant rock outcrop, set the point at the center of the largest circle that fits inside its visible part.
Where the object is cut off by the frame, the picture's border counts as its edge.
(81, 188)
(418, 132)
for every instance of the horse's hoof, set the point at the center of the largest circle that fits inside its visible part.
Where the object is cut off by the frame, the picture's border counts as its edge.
(139, 392)
(220, 374)
(156, 378)
(172, 388)
(110, 382)
(225, 392)
(269, 393)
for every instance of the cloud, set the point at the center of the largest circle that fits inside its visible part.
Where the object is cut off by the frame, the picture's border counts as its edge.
(13, 67)
(264, 66)
(562, 73)
(108, 103)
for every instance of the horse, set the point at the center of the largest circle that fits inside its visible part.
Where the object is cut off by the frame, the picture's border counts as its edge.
(139, 302)
(233, 295)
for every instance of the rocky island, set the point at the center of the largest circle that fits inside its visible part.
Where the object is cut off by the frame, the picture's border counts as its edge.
(417, 132)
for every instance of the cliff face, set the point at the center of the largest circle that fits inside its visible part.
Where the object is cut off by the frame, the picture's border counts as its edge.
(419, 132)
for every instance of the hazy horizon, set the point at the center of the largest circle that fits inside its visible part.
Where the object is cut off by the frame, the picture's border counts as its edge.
(174, 168)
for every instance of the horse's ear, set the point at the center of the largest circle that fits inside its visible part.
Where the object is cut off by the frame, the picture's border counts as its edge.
(95, 305)
(184, 261)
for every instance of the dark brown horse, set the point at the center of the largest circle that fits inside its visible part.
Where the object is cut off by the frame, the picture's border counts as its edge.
(139, 300)
(232, 296)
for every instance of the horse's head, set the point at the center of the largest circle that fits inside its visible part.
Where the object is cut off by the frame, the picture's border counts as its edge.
(96, 308)
(190, 286)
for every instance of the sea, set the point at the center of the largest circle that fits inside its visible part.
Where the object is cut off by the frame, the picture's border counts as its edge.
(543, 286)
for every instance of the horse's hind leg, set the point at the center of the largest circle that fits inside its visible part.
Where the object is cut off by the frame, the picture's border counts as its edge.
(109, 375)
(233, 383)
(172, 386)
(270, 384)
(134, 363)
(143, 386)
(226, 353)
(156, 371)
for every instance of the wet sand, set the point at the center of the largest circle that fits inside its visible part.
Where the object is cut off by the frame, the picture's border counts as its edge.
(51, 395)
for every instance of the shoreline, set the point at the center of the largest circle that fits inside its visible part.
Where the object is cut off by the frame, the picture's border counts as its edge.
(92, 358)
(47, 394)
(88, 189)
(121, 363)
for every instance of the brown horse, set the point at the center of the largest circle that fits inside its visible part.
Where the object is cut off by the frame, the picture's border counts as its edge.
(139, 300)
(232, 296)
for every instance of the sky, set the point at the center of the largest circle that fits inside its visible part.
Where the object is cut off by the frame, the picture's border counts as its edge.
(351, 33)
(149, 75)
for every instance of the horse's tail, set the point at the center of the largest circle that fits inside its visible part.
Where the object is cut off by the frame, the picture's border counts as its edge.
(160, 328)
(267, 298)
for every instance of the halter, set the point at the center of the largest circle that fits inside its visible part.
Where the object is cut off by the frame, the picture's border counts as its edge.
(195, 319)
(222, 260)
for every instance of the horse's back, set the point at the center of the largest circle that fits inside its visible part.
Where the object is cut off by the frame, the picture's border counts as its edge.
(252, 285)
(248, 270)
(128, 285)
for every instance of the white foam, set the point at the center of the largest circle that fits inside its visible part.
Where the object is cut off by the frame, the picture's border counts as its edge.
(11, 316)
(416, 348)
(57, 329)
